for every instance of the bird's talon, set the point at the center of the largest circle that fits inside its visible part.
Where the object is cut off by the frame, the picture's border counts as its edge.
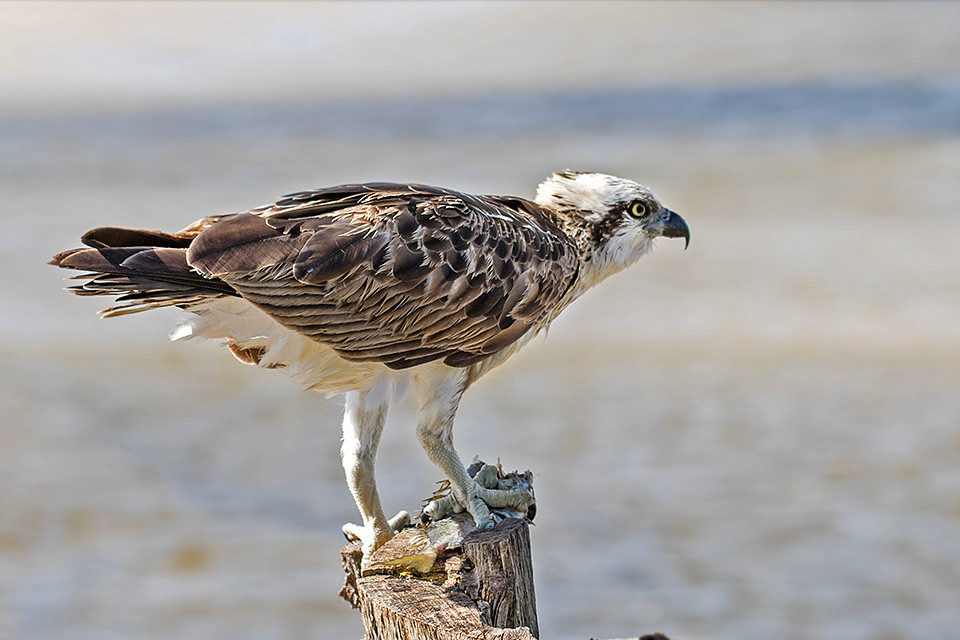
(372, 537)
(399, 522)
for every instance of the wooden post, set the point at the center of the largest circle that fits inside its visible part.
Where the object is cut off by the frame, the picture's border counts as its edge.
(479, 587)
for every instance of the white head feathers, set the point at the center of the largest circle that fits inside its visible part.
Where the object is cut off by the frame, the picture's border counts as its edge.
(593, 194)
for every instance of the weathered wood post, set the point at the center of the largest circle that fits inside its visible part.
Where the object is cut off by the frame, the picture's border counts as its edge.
(448, 581)
(436, 584)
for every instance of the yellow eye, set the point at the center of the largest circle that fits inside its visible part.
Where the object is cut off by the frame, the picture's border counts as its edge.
(638, 209)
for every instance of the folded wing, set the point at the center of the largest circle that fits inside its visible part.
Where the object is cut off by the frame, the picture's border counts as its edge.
(400, 274)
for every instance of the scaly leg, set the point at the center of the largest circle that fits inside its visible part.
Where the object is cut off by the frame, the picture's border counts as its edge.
(439, 395)
(362, 427)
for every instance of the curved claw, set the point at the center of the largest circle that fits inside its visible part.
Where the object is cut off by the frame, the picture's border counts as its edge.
(478, 503)
(477, 508)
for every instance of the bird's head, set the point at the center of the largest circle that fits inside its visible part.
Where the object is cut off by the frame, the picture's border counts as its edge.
(614, 220)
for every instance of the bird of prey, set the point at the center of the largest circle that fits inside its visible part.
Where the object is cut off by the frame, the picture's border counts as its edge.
(372, 289)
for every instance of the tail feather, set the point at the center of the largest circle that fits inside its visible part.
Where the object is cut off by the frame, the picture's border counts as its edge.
(144, 269)
(103, 237)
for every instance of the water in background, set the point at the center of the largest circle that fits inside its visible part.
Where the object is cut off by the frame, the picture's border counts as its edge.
(755, 438)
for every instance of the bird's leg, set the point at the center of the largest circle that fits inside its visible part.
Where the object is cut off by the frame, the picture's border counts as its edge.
(362, 427)
(439, 399)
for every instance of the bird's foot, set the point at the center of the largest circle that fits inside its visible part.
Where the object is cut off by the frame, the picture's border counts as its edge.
(371, 535)
(489, 497)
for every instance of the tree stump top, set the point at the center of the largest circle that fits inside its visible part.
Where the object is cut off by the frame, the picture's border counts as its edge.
(476, 585)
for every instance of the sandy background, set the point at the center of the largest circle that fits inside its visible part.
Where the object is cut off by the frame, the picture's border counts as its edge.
(756, 438)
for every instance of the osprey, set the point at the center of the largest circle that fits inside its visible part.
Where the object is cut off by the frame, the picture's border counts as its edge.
(371, 289)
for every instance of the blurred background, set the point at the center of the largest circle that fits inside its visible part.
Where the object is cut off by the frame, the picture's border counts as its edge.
(755, 438)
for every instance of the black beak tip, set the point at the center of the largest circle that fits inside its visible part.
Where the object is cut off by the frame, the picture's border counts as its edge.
(676, 227)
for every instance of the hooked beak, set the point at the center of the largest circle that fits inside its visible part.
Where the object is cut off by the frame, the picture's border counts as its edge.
(675, 227)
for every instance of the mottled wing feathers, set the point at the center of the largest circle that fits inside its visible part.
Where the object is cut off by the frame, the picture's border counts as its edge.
(393, 273)
(242, 244)
(335, 199)
(334, 250)
(400, 274)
